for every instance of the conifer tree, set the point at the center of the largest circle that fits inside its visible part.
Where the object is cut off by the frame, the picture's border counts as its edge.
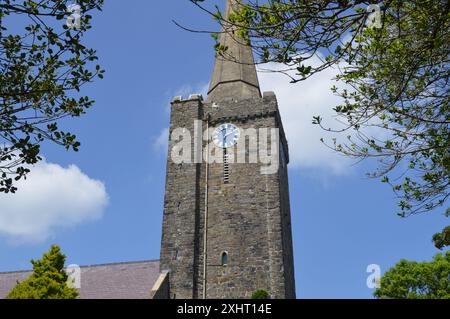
(48, 281)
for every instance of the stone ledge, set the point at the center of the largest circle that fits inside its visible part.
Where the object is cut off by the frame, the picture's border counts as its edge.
(160, 289)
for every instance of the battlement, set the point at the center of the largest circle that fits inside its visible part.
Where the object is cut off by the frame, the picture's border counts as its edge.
(268, 95)
(192, 97)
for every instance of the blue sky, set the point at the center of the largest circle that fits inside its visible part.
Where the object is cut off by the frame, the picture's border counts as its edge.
(109, 207)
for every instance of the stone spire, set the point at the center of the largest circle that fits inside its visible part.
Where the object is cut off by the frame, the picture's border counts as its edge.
(234, 76)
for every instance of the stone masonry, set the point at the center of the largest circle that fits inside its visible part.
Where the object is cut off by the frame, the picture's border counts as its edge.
(248, 214)
(248, 218)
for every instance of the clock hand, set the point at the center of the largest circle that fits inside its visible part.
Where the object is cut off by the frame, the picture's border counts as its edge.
(229, 133)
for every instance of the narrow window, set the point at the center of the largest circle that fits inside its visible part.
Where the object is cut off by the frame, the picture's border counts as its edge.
(224, 258)
(226, 167)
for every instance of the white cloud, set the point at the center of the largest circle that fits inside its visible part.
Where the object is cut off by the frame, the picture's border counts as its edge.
(162, 141)
(51, 197)
(298, 104)
(187, 89)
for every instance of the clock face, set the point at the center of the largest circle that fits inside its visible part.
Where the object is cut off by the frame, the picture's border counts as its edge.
(226, 135)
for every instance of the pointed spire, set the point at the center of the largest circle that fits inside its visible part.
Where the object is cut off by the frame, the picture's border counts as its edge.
(235, 75)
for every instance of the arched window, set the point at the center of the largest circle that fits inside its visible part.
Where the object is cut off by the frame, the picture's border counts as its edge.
(224, 259)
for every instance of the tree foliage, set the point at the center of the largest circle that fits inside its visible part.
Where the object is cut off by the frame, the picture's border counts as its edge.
(48, 281)
(260, 294)
(392, 78)
(43, 64)
(417, 280)
(442, 239)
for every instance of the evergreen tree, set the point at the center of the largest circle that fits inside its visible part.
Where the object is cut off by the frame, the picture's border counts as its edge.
(48, 281)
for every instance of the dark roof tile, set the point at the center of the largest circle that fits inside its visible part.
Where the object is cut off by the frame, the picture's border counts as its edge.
(129, 280)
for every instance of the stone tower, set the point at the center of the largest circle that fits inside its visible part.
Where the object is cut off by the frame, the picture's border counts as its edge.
(226, 223)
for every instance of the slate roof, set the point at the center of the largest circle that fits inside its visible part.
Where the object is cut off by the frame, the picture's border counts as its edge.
(128, 280)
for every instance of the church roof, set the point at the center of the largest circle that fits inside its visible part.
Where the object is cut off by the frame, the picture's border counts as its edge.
(127, 280)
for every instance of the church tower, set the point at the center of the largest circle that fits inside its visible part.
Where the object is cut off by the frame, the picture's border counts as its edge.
(227, 224)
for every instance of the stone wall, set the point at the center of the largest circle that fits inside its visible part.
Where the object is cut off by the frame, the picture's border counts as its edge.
(248, 218)
(180, 235)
